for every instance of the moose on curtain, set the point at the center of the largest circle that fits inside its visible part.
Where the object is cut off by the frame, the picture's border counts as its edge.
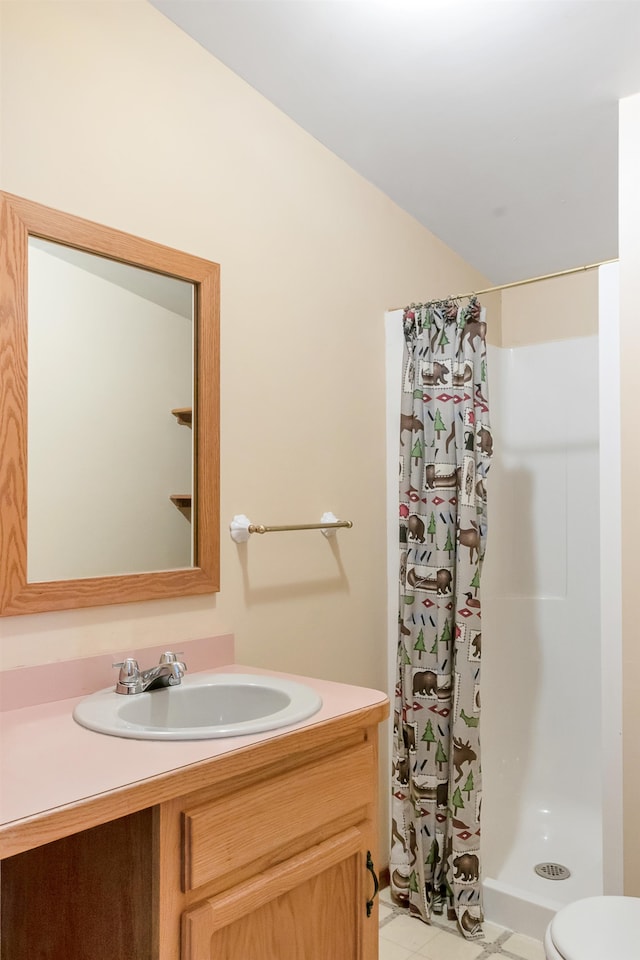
(445, 452)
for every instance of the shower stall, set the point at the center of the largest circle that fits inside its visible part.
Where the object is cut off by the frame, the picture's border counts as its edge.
(551, 684)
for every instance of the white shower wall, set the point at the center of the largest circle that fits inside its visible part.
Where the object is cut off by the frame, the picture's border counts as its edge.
(541, 687)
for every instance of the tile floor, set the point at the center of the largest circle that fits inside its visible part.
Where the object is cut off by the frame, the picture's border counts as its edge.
(404, 938)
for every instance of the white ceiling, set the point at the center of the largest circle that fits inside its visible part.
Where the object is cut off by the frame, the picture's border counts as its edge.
(493, 123)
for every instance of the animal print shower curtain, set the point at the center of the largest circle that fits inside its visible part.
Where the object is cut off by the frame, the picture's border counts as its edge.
(445, 452)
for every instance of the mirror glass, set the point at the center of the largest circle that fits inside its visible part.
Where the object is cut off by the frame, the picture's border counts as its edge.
(110, 355)
(109, 415)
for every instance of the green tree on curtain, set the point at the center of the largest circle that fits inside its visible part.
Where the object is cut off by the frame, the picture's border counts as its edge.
(437, 671)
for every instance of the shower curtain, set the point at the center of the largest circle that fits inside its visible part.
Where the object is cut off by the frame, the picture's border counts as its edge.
(445, 452)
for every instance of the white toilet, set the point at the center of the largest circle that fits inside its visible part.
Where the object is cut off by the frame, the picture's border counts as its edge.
(596, 928)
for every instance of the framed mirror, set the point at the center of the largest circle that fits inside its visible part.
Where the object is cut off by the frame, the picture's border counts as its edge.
(109, 415)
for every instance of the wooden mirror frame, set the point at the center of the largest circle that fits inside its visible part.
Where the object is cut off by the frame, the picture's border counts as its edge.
(19, 219)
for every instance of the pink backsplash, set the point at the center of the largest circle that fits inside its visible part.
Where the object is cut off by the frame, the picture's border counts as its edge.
(47, 682)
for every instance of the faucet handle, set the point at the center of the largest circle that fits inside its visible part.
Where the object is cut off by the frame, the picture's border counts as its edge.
(169, 657)
(129, 671)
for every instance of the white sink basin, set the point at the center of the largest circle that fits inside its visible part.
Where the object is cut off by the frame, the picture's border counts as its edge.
(203, 706)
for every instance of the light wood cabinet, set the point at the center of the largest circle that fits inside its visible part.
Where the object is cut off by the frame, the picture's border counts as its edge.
(311, 906)
(261, 856)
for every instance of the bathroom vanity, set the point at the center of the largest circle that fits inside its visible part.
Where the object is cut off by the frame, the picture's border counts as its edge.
(260, 847)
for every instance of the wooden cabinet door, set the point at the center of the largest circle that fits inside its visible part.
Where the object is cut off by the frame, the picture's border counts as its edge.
(311, 907)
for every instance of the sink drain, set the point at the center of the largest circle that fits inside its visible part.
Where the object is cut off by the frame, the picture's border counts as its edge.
(552, 871)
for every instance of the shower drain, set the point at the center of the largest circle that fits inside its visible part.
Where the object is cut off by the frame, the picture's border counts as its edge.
(552, 871)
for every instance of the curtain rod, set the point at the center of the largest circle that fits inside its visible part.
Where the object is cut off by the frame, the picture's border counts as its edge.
(522, 283)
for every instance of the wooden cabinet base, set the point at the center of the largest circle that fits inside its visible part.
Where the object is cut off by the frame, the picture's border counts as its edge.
(264, 860)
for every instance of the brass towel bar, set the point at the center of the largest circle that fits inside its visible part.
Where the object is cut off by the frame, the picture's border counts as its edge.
(241, 527)
(260, 527)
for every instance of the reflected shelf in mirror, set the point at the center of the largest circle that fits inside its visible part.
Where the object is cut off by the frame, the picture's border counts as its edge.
(184, 415)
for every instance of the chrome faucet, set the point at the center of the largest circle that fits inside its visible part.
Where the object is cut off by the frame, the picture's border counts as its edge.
(168, 673)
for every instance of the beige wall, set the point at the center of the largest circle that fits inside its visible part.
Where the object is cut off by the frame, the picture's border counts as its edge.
(630, 404)
(557, 309)
(111, 113)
